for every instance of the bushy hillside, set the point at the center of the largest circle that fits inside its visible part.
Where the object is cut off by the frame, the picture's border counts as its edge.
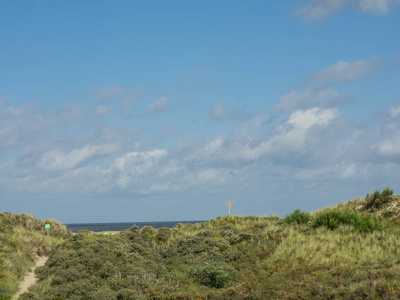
(22, 239)
(351, 251)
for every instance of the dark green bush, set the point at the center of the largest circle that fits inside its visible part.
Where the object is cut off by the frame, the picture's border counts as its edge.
(331, 219)
(299, 217)
(377, 200)
(164, 234)
(4, 297)
(210, 275)
(192, 245)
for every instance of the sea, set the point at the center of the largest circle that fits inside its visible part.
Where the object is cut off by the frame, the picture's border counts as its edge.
(98, 227)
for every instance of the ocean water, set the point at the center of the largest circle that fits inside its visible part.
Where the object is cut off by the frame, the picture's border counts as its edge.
(97, 227)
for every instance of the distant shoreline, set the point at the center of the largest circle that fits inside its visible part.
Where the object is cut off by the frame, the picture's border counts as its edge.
(119, 226)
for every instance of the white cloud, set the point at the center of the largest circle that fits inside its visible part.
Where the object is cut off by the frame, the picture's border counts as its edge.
(132, 165)
(160, 106)
(344, 72)
(138, 158)
(320, 9)
(310, 98)
(379, 6)
(291, 137)
(305, 119)
(224, 150)
(390, 146)
(57, 160)
(317, 10)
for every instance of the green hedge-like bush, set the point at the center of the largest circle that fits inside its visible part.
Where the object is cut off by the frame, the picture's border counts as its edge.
(332, 219)
(299, 217)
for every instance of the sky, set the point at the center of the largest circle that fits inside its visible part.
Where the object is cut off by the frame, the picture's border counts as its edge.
(124, 111)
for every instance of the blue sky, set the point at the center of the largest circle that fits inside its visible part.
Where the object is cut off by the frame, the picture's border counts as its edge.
(165, 110)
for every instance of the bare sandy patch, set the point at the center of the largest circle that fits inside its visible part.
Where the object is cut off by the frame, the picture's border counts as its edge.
(30, 278)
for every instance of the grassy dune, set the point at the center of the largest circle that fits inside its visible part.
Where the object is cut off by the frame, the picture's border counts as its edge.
(350, 251)
(22, 239)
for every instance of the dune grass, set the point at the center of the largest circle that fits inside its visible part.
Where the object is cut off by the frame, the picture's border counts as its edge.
(235, 257)
(22, 239)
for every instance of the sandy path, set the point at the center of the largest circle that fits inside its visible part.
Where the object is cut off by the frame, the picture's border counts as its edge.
(30, 278)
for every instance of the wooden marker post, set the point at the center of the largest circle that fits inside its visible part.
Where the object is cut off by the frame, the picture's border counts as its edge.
(229, 205)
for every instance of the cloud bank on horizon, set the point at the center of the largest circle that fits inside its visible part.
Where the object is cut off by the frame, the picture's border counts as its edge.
(139, 132)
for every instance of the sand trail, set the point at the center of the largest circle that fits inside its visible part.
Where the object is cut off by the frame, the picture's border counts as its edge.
(30, 278)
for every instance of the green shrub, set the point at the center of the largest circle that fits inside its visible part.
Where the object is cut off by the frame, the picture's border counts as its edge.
(299, 217)
(367, 224)
(331, 219)
(148, 233)
(377, 200)
(210, 275)
(4, 297)
(164, 234)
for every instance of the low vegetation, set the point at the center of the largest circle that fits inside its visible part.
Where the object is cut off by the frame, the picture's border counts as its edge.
(22, 239)
(350, 251)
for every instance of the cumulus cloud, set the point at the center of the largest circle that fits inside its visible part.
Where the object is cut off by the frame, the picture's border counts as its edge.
(305, 119)
(294, 135)
(306, 143)
(344, 72)
(316, 10)
(289, 137)
(160, 106)
(57, 160)
(139, 162)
